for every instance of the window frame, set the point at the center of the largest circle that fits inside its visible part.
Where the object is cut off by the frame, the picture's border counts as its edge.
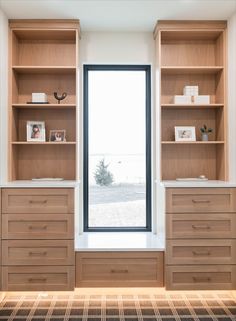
(95, 67)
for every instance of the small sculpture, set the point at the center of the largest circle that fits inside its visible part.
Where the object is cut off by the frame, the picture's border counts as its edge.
(59, 98)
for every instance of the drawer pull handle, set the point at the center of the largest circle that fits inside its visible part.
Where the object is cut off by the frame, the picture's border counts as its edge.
(201, 253)
(43, 227)
(37, 253)
(34, 280)
(201, 201)
(119, 271)
(201, 279)
(38, 202)
(201, 227)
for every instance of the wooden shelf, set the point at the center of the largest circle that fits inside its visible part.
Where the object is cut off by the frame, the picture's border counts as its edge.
(43, 58)
(210, 142)
(44, 106)
(45, 69)
(44, 143)
(191, 106)
(45, 34)
(192, 54)
(168, 70)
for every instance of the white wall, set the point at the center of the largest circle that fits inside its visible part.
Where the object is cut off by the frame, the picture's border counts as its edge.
(232, 96)
(3, 95)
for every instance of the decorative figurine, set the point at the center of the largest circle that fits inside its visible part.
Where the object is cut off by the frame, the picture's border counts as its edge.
(59, 98)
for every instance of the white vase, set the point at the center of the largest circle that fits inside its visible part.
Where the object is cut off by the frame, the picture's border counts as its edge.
(204, 137)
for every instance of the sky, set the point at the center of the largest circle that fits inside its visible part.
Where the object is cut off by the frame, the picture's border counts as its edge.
(116, 112)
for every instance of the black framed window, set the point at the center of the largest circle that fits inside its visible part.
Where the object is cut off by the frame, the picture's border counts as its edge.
(117, 148)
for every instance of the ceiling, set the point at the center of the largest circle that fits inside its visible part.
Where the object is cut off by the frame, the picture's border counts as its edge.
(118, 15)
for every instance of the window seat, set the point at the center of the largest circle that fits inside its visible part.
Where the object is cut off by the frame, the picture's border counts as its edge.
(119, 241)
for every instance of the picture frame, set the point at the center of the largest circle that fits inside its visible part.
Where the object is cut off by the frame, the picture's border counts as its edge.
(57, 135)
(185, 134)
(35, 131)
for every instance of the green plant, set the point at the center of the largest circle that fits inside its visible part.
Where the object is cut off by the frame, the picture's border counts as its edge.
(205, 130)
(102, 175)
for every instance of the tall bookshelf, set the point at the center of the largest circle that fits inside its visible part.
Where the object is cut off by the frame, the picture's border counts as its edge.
(192, 53)
(43, 58)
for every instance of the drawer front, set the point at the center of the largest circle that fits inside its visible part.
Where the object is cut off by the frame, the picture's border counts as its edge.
(200, 226)
(38, 226)
(43, 278)
(34, 200)
(119, 269)
(199, 277)
(185, 252)
(190, 200)
(59, 252)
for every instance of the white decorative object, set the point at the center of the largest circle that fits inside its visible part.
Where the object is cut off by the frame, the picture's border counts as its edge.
(191, 90)
(181, 99)
(201, 100)
(185, 134)
(39, 98)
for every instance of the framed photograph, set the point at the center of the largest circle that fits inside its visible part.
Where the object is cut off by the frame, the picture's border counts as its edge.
(185, 134)
(57, 135)
(35, 131)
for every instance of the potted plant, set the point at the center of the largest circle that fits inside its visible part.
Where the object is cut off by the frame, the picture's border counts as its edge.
(205, 132)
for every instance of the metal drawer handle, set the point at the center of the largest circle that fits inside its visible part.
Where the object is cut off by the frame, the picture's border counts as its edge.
(38, 202)
(119, 271)
(201, 253)
(37, 280)
(201, 279)
(201, 227)
(43, 227)
(37, 253)
(201, 201)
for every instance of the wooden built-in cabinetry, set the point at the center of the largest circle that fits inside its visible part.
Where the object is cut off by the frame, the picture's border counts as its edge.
(200, 238)
(38, 239)
(192, 53)
(43, 57)
(119, 269)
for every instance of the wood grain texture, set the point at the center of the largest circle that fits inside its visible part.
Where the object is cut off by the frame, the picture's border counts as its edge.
(201, 251)
(199, 277)
(197, 200)
(38, 278)
(109, 269)
(42, 58)
(192, 53)
(36, 200)
(54, 118)
(200, 226)
(37, 226)
(38, 252)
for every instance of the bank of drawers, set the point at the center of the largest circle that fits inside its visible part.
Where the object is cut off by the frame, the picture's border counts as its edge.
(201, 238)
(38, 239)
(119, 269)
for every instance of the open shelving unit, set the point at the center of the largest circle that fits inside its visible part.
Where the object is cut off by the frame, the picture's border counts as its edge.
(43, 57)
(192, 53)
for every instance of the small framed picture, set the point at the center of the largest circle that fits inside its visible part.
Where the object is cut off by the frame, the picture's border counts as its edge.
(35, 131)
(185, 134)
(57, 135)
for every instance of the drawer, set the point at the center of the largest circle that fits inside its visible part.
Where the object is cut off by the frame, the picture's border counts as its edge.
(211, 277)
(119, 269)
(183, 252)
(185, 200)
(36, 200)
(38, 252)
(200, 226)
(43, 278)
(38, 226)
